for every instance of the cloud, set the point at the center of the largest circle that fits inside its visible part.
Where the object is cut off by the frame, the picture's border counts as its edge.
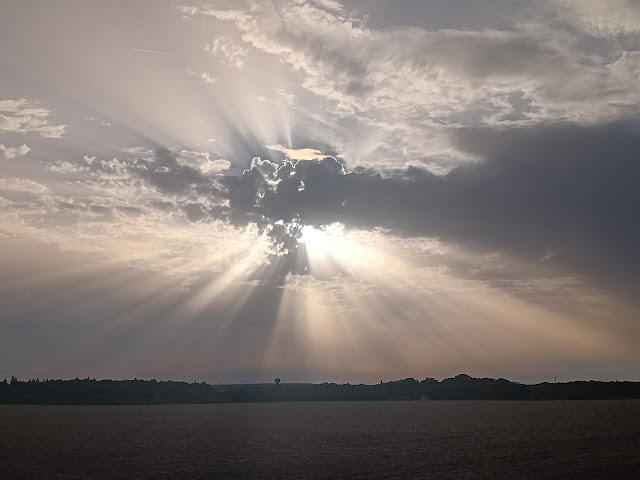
(445, 72)
(64, 167)
(231, 53)
(23, 185)
(151, 207)
(562, 188)
(455, 184)
(297, 154)
(180, 184)
(408, 87)
(559, 194)
(186, 174)
(13, 152)
(187, 11)
(392, 244)
(289, 98)
(22, 116)
(206, 78)
(604, 19)
(328, 4)
(201, 161)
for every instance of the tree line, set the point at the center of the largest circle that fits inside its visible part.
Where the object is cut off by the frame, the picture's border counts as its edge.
(461, 387)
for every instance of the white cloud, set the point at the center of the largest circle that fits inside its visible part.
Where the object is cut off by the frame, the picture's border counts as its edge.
(206, 78)
(187, 11)
(22, 116)
(202, 162)
(64, 167)
(139, 152)
(409, 86)
(444, 75)
(23, 186)
(13, 152)
(113, 170)
(232, 54)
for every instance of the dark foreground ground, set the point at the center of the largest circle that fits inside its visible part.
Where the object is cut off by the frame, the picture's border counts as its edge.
(589, 439)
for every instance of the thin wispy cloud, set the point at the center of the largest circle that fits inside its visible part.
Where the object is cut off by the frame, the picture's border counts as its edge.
(231, 53)
(206, 78)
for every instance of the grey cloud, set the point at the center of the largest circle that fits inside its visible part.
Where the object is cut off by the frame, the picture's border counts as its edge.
(141, 180)
(486, 54)
(568, 188)
(562, 192)
(168, 174)
(610, 18)
(565, 189)
(185, 180)
(244, 192)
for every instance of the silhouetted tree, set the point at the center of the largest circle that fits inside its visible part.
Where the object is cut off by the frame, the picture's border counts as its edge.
(14, 380)
(277, 380)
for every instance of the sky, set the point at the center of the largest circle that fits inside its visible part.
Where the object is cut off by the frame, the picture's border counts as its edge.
(320, 190)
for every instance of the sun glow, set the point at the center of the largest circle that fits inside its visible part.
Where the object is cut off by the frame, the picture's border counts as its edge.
(312, 235)
(333, 249)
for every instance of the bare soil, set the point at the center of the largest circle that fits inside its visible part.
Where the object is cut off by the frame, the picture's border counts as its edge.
(337, 440)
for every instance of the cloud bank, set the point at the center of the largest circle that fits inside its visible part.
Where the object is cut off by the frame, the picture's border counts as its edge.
(408, 87)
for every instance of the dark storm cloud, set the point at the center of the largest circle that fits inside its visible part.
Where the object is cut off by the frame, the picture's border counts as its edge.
(565, 190)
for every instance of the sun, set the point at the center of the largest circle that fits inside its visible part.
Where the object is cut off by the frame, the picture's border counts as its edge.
(312, 236)
(330, 238)
(333, 248)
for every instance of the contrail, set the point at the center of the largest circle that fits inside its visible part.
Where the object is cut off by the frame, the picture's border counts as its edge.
(151, 51)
